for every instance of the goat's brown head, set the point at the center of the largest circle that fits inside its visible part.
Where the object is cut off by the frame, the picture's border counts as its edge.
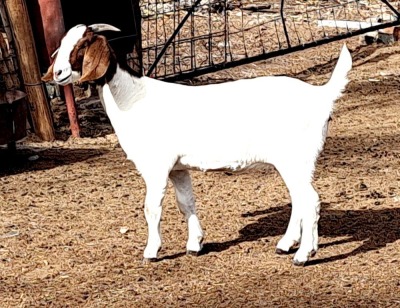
(82, 56)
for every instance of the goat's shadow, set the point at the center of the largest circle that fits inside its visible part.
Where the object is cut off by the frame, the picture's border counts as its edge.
(374, 228)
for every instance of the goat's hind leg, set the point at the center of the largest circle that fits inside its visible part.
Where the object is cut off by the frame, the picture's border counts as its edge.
(303, 224)
(186, 203)
(293, 232)
(309, 235)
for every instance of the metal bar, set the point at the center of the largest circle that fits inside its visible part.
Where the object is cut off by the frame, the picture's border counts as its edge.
(309, 26)
(170, 40)
(243, 36)
(392, 8)
(226, 38)
(284, 23)
(156, 31)
(192, 43)
(210, 36)
(174, 44)
(165, 35)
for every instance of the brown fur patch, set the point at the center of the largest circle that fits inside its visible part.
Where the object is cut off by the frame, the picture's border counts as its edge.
(49, 74)
(96, 59)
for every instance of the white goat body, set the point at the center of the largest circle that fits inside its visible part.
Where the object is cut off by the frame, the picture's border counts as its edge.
(225, 126)
(166, 129)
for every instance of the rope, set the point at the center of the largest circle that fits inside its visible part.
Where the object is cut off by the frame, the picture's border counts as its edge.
(33, 84)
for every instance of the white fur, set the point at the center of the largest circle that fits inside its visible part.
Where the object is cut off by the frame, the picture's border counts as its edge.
(62, 69)
(166, 129)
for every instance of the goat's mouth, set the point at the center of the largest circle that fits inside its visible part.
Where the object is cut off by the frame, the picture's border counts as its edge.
(64, 81)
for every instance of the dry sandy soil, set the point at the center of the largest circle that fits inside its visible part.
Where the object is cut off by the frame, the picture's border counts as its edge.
(72, 229)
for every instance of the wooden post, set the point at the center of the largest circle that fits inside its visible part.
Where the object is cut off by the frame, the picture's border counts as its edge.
(49, 26)
(25, 45)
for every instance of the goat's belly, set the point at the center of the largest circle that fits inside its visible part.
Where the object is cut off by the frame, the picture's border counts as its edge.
(195, 163)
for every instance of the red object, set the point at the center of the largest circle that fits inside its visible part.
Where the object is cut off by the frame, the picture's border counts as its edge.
(49, 31)
(71, 108)
(53, 24)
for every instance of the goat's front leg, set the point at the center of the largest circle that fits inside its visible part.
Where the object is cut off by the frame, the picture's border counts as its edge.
(186, 203)
(155, 192)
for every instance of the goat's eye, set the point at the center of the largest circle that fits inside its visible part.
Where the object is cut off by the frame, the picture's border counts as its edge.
(76, 58)
(81, 53)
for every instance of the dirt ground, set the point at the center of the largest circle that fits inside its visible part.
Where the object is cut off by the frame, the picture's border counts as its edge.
(72, 229)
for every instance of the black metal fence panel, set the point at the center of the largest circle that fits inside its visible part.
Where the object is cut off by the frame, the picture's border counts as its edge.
(185, 38)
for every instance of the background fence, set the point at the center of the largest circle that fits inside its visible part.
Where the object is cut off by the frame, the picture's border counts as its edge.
(185, 38)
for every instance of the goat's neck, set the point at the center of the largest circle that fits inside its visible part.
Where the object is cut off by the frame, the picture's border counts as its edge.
(122, 91)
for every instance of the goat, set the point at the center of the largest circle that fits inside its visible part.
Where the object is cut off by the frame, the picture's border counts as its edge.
(168, 129)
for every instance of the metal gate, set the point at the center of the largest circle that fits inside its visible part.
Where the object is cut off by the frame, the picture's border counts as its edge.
(186, 38)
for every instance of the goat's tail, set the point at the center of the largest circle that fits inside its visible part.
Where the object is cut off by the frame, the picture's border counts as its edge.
(338, 80)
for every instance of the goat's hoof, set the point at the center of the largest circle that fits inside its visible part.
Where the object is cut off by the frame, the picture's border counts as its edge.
(299, 263)
(279, 251)
(193, 253)
(302, 263)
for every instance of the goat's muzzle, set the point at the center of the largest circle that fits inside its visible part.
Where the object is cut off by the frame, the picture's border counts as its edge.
(63, 76)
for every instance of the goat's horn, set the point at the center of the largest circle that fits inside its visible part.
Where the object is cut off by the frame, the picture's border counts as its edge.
(103, 27)
(55, 52)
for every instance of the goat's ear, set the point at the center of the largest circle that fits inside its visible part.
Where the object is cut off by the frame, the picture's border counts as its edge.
(96, 60)
(49, 75)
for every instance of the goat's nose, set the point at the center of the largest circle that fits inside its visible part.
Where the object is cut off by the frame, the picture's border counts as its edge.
(58, 73)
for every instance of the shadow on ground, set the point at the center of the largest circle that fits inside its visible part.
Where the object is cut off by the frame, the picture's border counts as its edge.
(20, 161)
(374, 228)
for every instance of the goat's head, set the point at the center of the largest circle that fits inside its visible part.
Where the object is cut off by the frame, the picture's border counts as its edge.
(82, 56)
